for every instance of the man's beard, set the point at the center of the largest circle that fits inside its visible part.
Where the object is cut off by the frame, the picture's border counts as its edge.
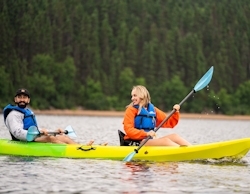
(22, 105)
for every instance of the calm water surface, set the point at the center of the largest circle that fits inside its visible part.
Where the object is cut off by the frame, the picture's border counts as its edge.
(55, 175)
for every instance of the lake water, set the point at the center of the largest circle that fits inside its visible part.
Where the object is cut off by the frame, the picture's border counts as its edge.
(56, 175)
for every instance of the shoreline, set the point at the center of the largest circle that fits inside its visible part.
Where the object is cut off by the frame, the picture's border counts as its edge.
(99, 113)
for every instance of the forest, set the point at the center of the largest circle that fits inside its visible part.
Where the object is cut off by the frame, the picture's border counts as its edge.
(89, 54)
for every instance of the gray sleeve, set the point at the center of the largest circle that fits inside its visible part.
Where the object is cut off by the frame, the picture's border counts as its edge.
(14, 122)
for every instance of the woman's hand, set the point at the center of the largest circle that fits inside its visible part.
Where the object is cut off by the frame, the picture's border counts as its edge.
(151, 133)
(176, 107)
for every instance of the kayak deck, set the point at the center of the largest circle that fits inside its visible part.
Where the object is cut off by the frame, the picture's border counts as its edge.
(234, 148)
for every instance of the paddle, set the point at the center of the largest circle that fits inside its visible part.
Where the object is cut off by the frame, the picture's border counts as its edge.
(33, 132)
(203, 82)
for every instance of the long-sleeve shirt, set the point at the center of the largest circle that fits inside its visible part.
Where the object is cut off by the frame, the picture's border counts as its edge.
(137, 134)
(14, 123)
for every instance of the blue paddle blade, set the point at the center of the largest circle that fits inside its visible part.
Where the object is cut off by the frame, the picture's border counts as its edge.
(204, 81)
(70, 131)
(32, 133)
(129, 157)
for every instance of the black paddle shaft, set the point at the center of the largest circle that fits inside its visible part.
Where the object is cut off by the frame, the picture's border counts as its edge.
(171, 113)
(55, 133)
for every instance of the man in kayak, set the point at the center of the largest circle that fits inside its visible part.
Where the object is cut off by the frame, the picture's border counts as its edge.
(141, 117)
(18, 118)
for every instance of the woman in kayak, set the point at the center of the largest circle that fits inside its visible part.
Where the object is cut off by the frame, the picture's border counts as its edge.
(141, 117)
(18, 118)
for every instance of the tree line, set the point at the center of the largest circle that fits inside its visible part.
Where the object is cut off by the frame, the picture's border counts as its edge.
(89, 54)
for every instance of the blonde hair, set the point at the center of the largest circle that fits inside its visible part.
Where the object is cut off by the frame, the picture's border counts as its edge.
(143, 94)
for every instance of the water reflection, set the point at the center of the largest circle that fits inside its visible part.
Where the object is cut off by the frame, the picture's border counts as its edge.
(224, 161)
(135, 167)
(19, 159)
(141, 166)
(143, 176)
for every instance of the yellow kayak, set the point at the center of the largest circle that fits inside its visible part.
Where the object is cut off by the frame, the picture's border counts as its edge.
(233, 149)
